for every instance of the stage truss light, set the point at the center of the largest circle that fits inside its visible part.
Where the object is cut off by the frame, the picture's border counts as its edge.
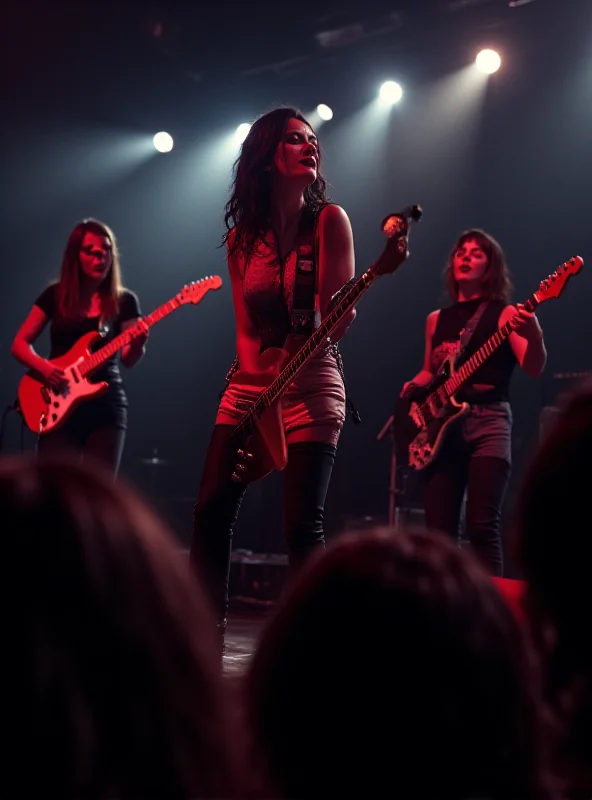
(488, 61)
(324, 112)
(163, 142)
(391, 92)
(242, 132)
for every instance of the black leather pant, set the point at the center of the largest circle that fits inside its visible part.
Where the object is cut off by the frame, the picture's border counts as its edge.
(306, 481)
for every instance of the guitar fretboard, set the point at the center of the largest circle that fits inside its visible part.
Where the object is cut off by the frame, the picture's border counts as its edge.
(452, 385)
(107, 351)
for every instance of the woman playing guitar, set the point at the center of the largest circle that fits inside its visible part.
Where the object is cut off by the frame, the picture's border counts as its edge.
(87, 297)
(476, 453)
(277, 182)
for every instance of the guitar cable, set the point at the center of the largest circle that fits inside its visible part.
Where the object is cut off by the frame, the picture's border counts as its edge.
(42, 421)
(7, 409)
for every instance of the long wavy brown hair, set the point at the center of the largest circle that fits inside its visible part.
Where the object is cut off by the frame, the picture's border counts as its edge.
(496, 281)
(68, 291)
(248, 209)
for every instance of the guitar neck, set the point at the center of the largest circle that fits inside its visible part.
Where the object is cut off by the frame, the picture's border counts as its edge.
(486, 350)
(98, 358)
(318, 338)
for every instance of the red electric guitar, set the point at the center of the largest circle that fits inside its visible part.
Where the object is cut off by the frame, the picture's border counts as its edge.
(44, 410)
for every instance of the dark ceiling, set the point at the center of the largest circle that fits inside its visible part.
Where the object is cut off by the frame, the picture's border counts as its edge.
(147, 51)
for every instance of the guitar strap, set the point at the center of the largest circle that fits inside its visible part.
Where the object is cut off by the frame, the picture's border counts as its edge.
(306, 316)
(467, 332)
(306, 311)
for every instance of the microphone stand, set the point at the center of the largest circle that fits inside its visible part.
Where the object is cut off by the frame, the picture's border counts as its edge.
(393, 517)
(7, 409)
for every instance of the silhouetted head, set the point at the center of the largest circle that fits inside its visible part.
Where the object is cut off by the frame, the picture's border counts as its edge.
(397, 658)
(111, 684)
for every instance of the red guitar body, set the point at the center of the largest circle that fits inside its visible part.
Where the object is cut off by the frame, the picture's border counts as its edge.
(45, 410)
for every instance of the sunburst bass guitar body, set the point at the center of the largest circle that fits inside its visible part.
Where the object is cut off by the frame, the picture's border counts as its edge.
(421, 421)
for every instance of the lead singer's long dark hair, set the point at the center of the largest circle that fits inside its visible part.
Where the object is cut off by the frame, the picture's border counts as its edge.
(248, 209)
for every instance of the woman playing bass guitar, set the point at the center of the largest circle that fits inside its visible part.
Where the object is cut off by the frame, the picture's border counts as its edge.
(475, 455)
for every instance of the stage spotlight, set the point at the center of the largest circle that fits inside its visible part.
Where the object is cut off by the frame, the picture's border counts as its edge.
(391, 92)
(163, 142)
(488, 61)
(324, 112)
(242, 132)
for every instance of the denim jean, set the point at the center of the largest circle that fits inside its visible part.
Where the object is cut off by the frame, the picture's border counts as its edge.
(475, 458)
(306, 481)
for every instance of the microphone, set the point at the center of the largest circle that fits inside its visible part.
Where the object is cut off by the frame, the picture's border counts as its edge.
(413, 213)
(399, 222)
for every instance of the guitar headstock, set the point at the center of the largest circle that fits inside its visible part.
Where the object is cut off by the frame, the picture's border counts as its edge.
(193, 292)
(396, 229)
(554, 285)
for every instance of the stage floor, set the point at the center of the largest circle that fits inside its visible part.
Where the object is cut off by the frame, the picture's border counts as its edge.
(242, 634)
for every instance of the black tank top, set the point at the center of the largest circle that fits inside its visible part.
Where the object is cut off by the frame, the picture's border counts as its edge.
(496, 371)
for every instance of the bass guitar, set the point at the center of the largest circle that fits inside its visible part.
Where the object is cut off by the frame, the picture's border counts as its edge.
(423, 416)
(259, 436)
(44, 409)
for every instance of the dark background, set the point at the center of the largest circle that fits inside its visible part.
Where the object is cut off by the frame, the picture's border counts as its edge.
(86, 85)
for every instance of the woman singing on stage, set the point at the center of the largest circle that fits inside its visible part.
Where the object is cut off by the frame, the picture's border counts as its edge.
(87, 297)
(277, 184)
(476, 452)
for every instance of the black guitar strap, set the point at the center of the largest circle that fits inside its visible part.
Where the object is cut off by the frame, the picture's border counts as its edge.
(306, 314)
(305, 317)
(467, 332)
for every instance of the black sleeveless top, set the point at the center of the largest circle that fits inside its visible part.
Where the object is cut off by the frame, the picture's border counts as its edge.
(496, 371)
